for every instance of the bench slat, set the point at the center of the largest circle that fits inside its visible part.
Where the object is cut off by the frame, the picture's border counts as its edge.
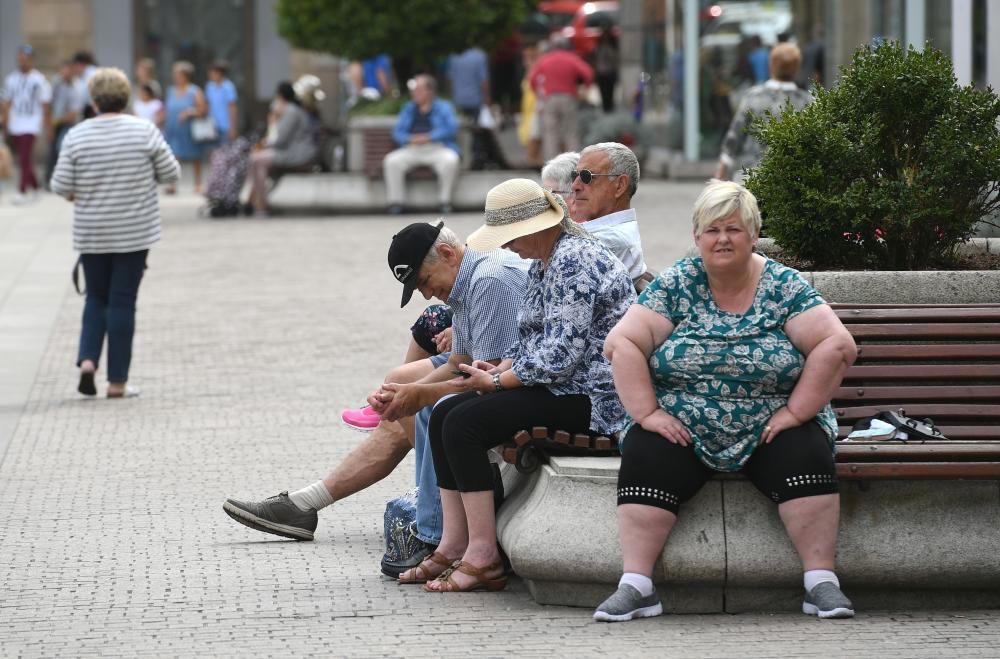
(924, 372)
(929, 351)
(953, 433)
(981, 331)
(921, 410)
(878, 305)
(846, 394)
(947, 451)
(939, 314)
(917, 470)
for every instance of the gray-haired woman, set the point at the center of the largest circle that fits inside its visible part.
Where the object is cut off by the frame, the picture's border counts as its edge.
(555, 375)
(109, 167)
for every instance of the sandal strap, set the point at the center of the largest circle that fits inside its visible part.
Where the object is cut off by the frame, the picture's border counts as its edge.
(449, 586)
(473, 571)
(420, 573)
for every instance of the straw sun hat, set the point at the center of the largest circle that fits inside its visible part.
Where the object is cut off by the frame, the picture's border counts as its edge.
(520, 207)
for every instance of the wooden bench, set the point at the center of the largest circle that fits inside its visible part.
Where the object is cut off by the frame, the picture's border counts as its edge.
(934, 361)
(940, 362)
(378, 143)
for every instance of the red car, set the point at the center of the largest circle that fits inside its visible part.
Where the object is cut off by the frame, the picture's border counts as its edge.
(589, 21)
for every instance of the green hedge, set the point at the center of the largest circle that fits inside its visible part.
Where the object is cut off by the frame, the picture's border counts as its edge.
(889, 170)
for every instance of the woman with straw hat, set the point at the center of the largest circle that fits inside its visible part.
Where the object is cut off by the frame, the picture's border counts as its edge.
(556, 375)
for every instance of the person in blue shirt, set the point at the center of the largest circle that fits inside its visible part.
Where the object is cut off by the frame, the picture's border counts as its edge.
(425, 132)
(220, 92)
(375, 72)
(470, 88)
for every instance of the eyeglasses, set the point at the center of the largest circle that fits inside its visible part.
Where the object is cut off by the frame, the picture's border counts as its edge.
(586, 176)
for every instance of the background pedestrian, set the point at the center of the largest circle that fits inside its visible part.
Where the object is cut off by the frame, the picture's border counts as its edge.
(184, 102)
(109, 169)
(24, 105)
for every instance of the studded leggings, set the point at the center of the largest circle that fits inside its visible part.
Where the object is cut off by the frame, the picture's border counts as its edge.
(656, 472)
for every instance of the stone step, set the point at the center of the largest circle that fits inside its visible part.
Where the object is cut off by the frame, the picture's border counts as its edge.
(347, 191)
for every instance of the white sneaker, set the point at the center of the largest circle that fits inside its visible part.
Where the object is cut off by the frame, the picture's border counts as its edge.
(19, 199)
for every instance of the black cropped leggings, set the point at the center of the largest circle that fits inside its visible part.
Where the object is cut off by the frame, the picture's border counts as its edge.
(464, 427)
(656, 472)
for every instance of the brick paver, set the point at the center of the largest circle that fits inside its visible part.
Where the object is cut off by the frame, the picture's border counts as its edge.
(252, 335)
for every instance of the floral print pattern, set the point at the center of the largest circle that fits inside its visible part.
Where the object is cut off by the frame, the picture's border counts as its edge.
(569, 308)
(723, 375)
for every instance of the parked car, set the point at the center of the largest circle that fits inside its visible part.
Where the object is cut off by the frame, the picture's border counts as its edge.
(589, 21)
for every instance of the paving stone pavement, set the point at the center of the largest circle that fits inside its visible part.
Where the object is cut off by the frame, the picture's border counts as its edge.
(252, 336)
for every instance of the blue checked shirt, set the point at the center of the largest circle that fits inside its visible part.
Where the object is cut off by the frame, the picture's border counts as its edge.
(485, 300)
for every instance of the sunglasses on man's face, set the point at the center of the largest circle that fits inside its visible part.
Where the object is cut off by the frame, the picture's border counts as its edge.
(586, 176)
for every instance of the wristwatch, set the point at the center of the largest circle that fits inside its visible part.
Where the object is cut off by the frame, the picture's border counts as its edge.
(496, 382)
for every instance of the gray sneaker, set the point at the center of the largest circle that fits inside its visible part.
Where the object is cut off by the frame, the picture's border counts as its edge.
(826, 601)
(627, 603)
(277, 515)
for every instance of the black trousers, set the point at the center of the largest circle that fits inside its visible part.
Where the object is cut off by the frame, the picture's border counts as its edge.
(656, 472)
(464, 427)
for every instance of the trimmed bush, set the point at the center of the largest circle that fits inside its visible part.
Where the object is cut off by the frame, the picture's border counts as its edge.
(889, 170)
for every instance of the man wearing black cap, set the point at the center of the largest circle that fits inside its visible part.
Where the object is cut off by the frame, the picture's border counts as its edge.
(484, 291)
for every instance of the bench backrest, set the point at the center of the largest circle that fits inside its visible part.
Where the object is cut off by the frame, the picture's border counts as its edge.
(935, 361)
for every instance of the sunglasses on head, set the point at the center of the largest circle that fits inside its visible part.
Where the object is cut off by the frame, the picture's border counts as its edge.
(586, 176)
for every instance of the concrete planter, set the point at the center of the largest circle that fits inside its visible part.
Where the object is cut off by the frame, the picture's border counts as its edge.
(902, 545)
(916, 287)
(356, 130)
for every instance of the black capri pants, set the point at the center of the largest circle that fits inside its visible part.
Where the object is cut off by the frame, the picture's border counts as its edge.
(462, 428)
(656, 472)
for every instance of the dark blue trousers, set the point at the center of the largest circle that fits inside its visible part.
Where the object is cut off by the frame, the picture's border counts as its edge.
(112, 286)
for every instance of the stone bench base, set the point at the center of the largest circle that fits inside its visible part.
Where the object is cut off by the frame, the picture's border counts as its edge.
(354, 192)
(906, 544)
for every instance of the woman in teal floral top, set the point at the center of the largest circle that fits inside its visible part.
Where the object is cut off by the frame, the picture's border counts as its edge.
(727, 363)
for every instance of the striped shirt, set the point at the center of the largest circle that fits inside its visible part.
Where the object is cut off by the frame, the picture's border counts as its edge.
(110, 168)
(485, 300)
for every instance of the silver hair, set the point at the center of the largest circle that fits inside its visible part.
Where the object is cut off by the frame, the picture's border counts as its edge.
(719, 200)
(560, 168)
(445, 237)
(623, 161)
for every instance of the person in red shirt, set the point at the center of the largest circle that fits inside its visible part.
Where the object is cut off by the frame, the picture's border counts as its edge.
(555, 78)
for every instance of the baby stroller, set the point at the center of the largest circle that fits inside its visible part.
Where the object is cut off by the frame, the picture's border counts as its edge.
(226, 174)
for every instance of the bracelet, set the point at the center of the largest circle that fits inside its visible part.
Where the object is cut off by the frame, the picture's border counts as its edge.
(496, 382)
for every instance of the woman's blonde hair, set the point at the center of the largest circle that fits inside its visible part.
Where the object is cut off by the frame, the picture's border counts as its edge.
(185, 67)
(109, 89)
(719, 200)
(784, 62)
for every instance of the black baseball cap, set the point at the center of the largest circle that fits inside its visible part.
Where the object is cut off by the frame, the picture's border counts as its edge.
(407, 252)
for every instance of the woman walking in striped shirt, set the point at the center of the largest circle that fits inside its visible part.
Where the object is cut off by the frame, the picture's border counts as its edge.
(109, 167)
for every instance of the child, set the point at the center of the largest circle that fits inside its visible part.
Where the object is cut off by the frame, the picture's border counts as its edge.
(148, 107)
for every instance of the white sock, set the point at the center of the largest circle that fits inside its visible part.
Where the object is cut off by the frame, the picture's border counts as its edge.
(640, 582)
(312, 497)
(813, 578)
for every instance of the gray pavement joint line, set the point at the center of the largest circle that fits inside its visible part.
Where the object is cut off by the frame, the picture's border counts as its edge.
(39, 246)
(6, 440)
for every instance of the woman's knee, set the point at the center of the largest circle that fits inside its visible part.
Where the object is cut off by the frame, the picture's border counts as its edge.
(797, 464)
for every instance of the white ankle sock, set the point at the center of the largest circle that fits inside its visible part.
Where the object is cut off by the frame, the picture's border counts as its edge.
(640, 582)
(813, 578)
(314, 497)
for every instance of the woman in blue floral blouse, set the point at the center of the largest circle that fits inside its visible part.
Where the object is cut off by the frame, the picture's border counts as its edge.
(727, 363)
(555, 375)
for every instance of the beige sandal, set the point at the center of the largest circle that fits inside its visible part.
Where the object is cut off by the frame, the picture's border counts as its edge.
(481, 583)
(422, 574)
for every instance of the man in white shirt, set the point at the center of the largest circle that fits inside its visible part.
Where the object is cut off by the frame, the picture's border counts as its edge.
(24, 106)
(603, 185)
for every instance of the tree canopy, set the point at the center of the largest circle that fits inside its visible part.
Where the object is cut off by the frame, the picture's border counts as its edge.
(415, 30)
